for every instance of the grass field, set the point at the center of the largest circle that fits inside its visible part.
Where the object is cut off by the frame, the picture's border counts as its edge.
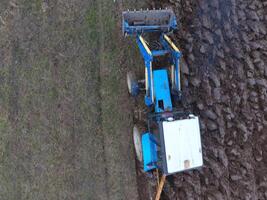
(65, 120)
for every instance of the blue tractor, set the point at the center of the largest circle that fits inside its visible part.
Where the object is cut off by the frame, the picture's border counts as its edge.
(171, 141)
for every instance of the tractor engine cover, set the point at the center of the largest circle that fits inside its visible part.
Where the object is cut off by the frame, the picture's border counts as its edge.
(181, 144)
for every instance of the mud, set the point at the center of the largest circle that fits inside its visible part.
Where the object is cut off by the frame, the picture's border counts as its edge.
(224, 44)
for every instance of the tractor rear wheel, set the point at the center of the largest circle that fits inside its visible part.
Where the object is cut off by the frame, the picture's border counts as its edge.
(132, 84)
(137, 143)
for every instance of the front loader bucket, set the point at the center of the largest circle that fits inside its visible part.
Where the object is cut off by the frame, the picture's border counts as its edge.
(137, 22)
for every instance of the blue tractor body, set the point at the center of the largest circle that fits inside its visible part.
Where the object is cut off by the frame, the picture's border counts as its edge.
(162, 91)
(158, 93)
(149, 149)
(159, 88)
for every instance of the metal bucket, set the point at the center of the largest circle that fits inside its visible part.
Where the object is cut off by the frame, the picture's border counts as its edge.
(137, 22)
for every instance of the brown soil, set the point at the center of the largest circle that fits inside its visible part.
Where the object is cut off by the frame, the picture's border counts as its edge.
(224, 44)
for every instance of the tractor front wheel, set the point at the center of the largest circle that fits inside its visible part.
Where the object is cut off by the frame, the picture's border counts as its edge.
(137, 143)
(132, 84)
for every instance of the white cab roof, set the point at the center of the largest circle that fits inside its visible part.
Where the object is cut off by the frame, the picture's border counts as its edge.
(182, 144)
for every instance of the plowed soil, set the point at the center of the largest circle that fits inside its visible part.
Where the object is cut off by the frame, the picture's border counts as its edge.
(224, 43)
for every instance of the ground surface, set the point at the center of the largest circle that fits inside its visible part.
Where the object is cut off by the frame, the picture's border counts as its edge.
(224, 43)
(65, 120)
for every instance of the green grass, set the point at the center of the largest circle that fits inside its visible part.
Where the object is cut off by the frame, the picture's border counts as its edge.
(64, 123)
(33, 6)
